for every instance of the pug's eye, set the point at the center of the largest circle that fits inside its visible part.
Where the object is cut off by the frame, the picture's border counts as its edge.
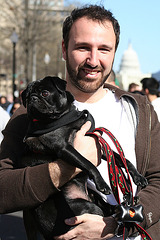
(45, 93)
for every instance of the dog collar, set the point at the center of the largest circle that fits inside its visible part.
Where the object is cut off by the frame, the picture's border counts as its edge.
(37, 128)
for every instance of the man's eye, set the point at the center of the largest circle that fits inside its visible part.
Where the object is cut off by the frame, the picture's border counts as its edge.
(104, 50)
(83, 48)
(45, 93)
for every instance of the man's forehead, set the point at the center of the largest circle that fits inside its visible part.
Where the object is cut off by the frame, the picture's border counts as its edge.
(87, 25)
(85, 29)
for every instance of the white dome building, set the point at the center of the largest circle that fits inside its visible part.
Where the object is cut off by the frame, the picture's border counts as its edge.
(130, 69)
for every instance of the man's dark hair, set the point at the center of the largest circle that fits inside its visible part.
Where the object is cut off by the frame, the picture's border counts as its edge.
(151, 84)
(94, 12)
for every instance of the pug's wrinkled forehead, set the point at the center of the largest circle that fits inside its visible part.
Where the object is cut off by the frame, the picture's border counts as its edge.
(49, 81)
(60, 84)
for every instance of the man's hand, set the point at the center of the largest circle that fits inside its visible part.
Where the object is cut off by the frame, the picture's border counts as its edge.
(90, 227)
(88, 146)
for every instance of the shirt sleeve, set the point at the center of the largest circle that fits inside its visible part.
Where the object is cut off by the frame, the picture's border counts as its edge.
(25, 187)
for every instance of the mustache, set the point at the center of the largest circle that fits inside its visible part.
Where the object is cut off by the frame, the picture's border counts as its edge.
(85, 65)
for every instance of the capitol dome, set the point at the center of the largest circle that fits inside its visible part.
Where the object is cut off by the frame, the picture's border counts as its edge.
(130, 62)
(129, 71)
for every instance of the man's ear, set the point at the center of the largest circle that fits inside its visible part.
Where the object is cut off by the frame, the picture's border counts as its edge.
(146, 91)
(63, 50)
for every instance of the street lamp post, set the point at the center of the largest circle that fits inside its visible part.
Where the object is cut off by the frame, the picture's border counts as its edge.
(14, 40)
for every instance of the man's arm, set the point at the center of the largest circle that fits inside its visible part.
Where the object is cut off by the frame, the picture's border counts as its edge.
(150, 195)
(26, 187)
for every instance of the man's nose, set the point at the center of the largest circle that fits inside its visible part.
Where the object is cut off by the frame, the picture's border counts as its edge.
(92, 58)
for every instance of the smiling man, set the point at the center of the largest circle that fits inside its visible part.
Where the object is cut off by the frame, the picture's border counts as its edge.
(90, 40)
(89, 55)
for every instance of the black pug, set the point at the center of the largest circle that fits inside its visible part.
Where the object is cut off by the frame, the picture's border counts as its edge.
(53, 123)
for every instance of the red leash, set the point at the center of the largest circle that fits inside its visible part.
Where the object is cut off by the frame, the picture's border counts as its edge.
(118, 180)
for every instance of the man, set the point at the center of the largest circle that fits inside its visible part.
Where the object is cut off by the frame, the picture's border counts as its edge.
(90, 40)
(134, 87)
(4, 103)
(151, 89)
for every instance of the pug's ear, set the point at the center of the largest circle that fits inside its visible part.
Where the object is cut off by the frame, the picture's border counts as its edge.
(69, 97)
(59, 83)
(23, 96)
(27, 91)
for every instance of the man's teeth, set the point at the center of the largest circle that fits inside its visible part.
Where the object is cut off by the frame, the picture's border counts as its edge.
(89, 72)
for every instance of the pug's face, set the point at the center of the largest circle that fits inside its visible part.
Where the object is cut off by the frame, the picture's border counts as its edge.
(47, 98)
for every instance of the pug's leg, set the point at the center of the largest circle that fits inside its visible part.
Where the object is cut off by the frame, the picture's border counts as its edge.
(70, 155)
(136, 176)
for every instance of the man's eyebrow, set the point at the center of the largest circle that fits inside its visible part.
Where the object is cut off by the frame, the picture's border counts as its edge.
(82, 43)
(107, 46)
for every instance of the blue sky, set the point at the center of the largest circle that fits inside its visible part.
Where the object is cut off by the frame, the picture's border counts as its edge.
(140, 24)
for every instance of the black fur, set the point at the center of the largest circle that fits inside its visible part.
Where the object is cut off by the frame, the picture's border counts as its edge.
(47, 102)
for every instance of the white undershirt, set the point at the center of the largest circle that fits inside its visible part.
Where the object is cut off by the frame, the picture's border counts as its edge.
(156, 105)
(110, 113)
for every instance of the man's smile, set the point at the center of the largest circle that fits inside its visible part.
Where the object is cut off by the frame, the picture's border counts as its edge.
(90, 73)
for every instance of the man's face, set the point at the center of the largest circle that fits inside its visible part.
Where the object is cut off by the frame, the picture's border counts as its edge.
(90, 54)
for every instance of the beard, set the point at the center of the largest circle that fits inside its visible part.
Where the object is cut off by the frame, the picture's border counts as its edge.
(84, 83)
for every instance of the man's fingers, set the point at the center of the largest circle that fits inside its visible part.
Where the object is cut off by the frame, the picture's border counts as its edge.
(85, 127)
(75, 220)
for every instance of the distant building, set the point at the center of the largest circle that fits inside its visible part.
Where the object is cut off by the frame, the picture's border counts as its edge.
(129, 71)
(156, 75)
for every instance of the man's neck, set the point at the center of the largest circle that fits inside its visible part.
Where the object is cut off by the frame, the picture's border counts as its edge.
(86, 97)
(152, 97)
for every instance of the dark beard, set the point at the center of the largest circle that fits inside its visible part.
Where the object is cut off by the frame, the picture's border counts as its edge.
(80, 83)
